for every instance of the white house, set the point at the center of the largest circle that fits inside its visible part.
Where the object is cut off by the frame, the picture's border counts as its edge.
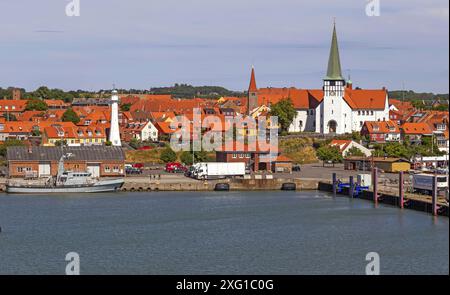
(346, 145)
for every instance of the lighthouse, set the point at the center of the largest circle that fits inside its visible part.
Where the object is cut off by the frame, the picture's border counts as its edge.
(114, 134)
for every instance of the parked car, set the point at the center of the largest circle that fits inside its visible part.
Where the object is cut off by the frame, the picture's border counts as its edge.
(133, 170)
(296, 168)
(138, 165)
(175, 167)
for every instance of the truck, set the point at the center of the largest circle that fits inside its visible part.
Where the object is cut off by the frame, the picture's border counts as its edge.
(217, 170)
(423, 183)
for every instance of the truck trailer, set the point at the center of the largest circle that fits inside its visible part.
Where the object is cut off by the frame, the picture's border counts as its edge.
(217, 170)
(423, 183)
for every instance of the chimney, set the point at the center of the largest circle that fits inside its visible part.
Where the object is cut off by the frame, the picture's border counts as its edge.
(16, 94)
(349, 85)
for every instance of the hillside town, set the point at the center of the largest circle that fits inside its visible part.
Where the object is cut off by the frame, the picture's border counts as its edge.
(339, 123)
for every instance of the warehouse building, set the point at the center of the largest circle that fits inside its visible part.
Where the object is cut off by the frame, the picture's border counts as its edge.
(41, 161)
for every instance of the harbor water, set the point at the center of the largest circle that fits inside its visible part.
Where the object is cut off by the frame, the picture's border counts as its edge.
(217, 233)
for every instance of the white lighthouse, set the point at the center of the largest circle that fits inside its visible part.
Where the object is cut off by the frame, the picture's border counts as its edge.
(114, 134)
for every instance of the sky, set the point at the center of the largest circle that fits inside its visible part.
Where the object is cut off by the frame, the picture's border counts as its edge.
(150, 43)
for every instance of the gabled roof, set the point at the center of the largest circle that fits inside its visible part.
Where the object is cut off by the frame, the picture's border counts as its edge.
(381, 127)
(365, 99)
(341, 144)
(417, 128)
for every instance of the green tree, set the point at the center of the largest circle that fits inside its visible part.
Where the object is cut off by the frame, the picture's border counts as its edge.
(186, 158)
(397, 150)
(36, 105)
(36, 132)
(285, 111)
(70, 116)
(135, 143)
(354, 152)
(356, 136)
(328, 153)
(125, 107)
(9, 117)
(168, 155)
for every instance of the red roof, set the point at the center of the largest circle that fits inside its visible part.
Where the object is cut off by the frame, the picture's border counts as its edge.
(381, 127)
(417, 128)
(252, 87)
(311, 98)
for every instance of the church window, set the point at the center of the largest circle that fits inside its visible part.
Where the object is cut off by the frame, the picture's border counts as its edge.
(371, 112)
(332, 112)
(359, 113)
(360, 123)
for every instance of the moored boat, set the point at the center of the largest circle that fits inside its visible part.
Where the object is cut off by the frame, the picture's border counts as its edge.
(67, 182)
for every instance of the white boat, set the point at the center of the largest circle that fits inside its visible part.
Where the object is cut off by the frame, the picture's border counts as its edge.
(67, 182)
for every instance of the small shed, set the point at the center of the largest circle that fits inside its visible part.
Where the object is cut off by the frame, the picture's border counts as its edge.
(384, 163)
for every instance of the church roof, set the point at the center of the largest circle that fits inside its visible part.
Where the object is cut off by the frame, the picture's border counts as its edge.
(334, 64)
(252, 87)
(363, 99)
(303, 99)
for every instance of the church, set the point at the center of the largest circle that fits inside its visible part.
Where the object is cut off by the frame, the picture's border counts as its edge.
(337, 108)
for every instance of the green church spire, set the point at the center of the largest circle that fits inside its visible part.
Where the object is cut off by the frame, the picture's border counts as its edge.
(334, 62)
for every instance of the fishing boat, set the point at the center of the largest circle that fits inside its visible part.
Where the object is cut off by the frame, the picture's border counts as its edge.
(67, 182)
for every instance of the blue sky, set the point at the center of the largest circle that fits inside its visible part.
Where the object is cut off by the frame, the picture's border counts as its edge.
(150, 43)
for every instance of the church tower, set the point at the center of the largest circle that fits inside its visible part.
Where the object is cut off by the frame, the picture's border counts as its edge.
(252, 98)
(333, 89)
(114, 133)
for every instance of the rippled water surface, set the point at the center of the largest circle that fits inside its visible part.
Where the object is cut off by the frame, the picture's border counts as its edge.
(217, 233)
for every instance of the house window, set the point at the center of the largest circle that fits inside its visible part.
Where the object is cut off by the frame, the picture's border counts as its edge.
(116, 169)
(23, 169)
(107, 169)
(234, 156)
(241, 155)
(311, 112)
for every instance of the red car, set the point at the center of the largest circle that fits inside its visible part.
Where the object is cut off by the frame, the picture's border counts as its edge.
(145, 148)
(138, 165)
(175, 167)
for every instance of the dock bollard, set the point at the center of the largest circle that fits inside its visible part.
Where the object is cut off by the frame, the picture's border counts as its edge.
(401, 193)
(375, 184)
(334, 181)
(351, 188)
(434, 197)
